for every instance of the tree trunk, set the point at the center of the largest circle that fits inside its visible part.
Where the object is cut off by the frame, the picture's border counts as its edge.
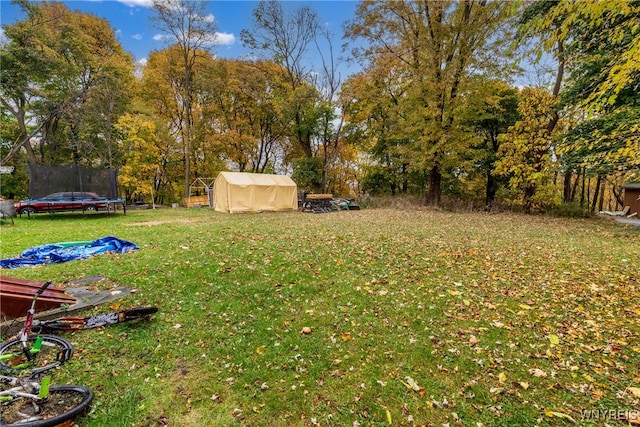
(601, 197)
(492, 189)
(595, 194)
(575, 185)
(435, 182)
(618, 196)
(582, 190)
(527, 203)
(566, 193)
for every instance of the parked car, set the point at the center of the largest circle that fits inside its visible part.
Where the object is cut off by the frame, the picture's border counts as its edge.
(60, 202)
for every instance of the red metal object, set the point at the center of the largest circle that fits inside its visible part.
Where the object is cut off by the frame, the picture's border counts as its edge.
(16, 296)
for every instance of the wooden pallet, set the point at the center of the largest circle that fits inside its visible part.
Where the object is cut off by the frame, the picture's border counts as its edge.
(196, 201)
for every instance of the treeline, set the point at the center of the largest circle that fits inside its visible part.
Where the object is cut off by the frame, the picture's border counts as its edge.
(435, 111)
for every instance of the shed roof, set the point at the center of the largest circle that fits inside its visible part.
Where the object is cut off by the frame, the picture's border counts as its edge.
(632, 186)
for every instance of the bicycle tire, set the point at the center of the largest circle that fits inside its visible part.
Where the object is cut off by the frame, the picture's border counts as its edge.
(73, 399)
(137, 312)
(54, 352)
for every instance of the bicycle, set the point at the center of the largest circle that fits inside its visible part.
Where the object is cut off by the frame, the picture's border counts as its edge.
(69, 323)
(28, 402)
(36, 353)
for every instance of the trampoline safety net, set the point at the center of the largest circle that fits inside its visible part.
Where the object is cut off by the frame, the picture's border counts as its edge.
(44, 180)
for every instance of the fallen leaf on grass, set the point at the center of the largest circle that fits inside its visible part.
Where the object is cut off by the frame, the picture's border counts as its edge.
(554, 340)
(550, 413)
(389, 420)
(502, 377)
(537, 372)
(634, 390)
(411, 384)
(237, 414)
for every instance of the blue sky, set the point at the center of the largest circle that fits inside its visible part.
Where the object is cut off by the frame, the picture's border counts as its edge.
(130, 20)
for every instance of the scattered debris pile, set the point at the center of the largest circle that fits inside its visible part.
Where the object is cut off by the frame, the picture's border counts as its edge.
(321, 203)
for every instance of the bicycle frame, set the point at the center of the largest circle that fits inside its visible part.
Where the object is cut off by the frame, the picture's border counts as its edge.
(26, 350)
(26, 330)
(36, 404)
(26, 389)
(23, 390)
(78, 323)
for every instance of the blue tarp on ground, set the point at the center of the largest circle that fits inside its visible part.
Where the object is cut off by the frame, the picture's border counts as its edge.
(62, 252)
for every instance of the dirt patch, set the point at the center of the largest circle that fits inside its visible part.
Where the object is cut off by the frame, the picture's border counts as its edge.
(154, 223)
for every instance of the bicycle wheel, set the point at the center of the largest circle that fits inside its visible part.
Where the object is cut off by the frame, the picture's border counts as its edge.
(137, 312)
(64, 403)
(54, 352)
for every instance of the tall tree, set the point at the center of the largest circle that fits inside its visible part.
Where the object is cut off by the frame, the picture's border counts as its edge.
(54, 63)
(160, 90)
(331, 109)
(142, 157)
(490, 112)
(604, 84)
(240, 103)
(286, 37)
(375, 123)
(193, 31)
(440, 44)
(600, 41)
(525, 151)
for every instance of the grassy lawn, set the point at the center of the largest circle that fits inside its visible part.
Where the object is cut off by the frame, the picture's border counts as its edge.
(363, 318)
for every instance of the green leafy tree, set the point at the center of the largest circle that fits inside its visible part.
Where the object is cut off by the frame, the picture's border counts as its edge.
(599, 43)
(140, 145)
(307, 173)
(376, 124)
(438, 46)
(240, 101)
(490, 111)
(54, 64)
(603, 84)
(525, 150)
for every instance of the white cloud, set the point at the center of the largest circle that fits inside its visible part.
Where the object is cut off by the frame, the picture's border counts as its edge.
(218, 38)
(162, 37)
(134, 3)
(225, 39)
(137, 36)
(209, 18)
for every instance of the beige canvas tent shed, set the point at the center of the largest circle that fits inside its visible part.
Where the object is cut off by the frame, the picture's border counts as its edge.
(254, 192)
